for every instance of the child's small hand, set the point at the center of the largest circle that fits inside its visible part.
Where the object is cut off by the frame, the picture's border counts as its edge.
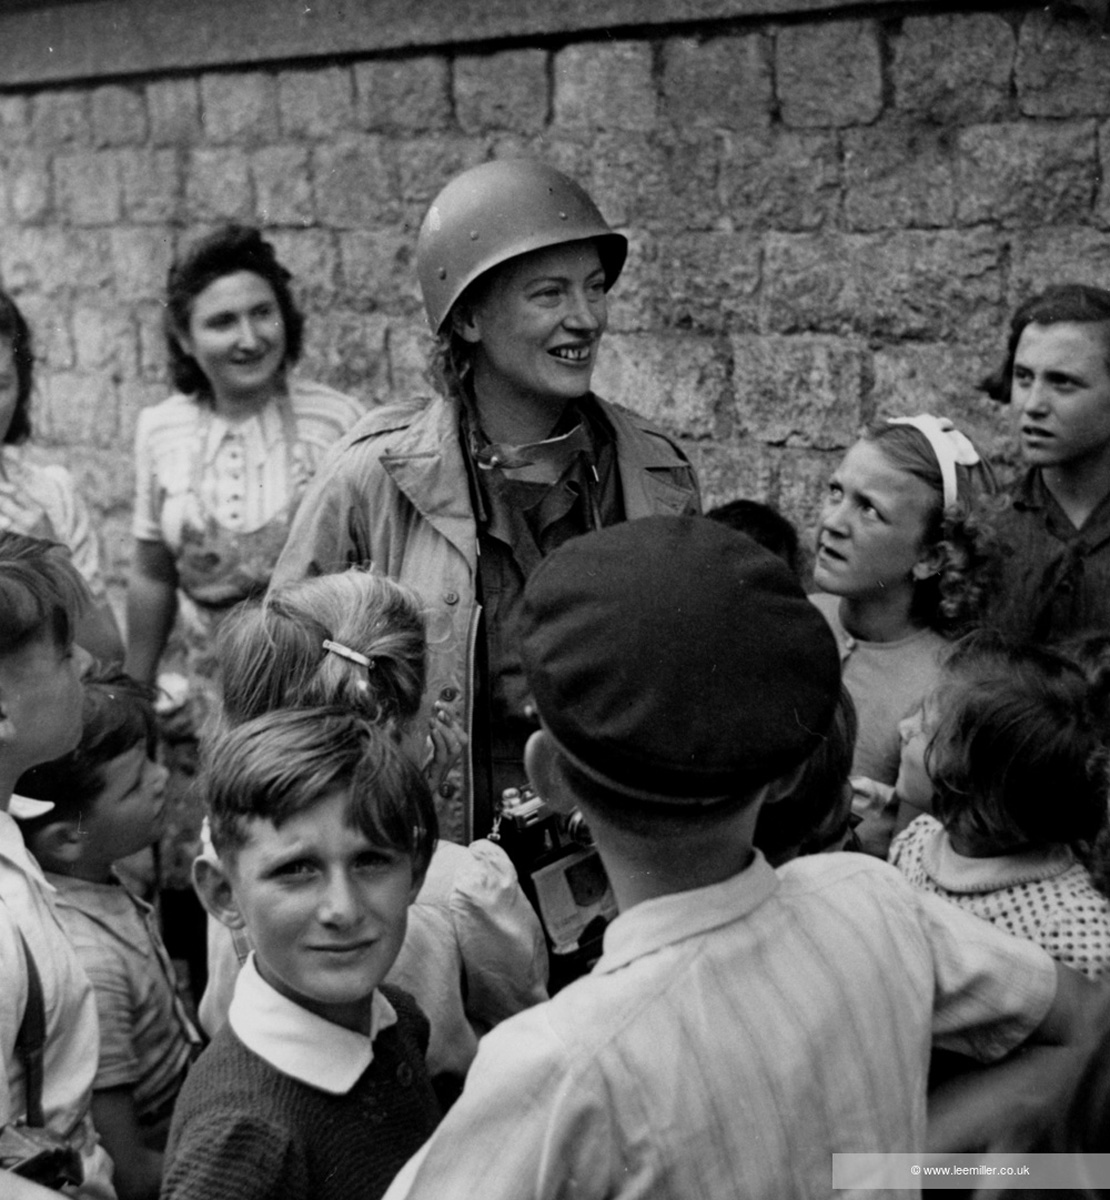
(869, 796)
(446, 742)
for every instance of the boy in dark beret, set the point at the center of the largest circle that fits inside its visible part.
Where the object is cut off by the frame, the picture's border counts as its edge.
(742, 1024)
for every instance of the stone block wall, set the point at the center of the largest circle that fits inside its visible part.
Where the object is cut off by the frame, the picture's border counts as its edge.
(831, 216)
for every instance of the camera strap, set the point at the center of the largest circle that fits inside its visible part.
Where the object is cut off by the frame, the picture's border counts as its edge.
(31, 1038)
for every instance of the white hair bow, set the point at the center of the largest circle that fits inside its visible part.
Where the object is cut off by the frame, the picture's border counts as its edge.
(950, 446)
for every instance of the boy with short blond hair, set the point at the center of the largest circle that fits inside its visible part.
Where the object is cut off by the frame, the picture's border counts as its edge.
(743, 1024)
(41, 598)
(107, 800)
(316, 1088)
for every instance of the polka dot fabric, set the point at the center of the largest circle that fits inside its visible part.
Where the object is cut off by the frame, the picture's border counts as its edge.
(1050, 900)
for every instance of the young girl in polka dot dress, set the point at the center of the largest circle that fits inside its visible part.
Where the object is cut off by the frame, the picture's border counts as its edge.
(1018, 768)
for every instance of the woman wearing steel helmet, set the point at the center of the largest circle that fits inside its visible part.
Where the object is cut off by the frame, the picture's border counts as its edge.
(461, 496)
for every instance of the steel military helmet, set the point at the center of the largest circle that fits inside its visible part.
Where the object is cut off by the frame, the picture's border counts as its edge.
(496, 211)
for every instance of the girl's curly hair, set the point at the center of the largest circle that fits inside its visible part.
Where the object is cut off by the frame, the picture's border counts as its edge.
(1021, 724)
(953, 600)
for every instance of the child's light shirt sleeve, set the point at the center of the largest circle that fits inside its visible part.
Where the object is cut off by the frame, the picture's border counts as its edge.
(502, 945)
(992, 990)
(13, 999)
(72, 1038)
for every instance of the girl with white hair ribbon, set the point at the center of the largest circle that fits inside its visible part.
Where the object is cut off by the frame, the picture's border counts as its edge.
(902, 566)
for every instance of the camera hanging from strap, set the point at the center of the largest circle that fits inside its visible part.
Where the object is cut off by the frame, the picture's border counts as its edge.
(27, 1148)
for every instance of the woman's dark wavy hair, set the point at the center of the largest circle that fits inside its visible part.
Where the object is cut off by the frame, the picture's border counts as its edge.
(16, 332)
(953, 600)
(1018, 756)
(1078, 302)
(227, 250)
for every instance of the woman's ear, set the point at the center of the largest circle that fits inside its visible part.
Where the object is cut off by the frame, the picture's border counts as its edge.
(212, 882)
(465, 323)
(182, 338)
(929, 564)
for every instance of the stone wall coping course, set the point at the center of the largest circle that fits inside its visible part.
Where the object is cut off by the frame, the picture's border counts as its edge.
(55, 41)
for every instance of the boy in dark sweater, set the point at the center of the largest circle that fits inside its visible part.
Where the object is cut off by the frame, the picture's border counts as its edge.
(317, 1086)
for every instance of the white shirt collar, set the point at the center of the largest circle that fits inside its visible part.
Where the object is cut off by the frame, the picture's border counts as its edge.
(23, 808)
(664, 920)
(299, 1043)
(262, 430)
(14, 850)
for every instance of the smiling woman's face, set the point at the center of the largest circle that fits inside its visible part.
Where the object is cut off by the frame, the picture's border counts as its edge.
(236, 335)
(536, 325)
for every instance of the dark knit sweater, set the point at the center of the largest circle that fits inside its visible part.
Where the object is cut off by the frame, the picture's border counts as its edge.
(242, 1130)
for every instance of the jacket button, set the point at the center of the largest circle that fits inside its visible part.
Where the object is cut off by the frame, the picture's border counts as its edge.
(449, 693)
(451, 597)
(447, 789)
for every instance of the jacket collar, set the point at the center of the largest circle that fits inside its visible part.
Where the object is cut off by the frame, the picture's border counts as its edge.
(426, 462)
(647, 464)
(1029, 492)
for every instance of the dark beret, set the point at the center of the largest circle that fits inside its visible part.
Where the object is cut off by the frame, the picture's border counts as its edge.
(673, 659)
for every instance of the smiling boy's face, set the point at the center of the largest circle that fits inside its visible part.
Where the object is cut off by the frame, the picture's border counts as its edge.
(326, 909)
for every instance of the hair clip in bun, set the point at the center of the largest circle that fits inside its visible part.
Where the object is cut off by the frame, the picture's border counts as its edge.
(951, 447)
(347, 653)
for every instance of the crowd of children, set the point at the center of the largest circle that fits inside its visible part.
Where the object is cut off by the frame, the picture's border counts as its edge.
(710, 812)
(382, 1016)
